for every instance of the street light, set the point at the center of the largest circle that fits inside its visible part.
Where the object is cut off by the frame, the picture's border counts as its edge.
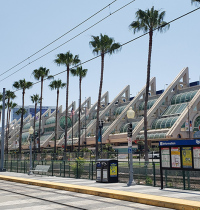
(130, 115)
(31, 130)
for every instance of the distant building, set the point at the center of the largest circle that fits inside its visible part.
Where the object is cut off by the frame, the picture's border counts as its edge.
(29, 110)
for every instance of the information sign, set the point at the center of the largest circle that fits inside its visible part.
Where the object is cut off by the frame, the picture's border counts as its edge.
(175, 156)
(113, 170)
(165, 155)
(130, 150)
(196, 157)
(187, 157)
(129, 141)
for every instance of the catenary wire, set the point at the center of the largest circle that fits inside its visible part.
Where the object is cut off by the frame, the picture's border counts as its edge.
(58, 38)
(120, 45)
(68, 40)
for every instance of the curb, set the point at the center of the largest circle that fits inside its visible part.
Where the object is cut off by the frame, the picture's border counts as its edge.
(154, 200)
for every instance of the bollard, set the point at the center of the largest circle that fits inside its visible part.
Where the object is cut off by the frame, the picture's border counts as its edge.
(64, 168)
(52, 167)
(154, 174)
(92, 170)
(183, 179)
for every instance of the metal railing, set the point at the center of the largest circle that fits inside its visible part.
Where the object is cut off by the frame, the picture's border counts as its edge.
(144, 174)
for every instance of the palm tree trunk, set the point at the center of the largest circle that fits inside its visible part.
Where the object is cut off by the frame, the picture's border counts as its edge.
(34, 127)
(147, 95)
(21, 125)
(56, 135)
(99, 102)
(79, 116)
(66, 114)
(40, 115)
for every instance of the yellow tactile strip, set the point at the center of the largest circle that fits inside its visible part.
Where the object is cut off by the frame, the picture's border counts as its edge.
(161, 201)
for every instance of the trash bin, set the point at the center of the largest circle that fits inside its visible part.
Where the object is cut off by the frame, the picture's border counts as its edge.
(107, 170)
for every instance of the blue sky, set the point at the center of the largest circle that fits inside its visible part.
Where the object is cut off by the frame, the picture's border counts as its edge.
(27, 26)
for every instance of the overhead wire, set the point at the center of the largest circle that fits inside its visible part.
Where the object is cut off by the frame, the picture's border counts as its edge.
(122, 44)
(68, 40)
(58, 38)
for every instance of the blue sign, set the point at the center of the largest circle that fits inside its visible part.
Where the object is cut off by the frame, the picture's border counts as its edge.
(179, 142)
(130, 150)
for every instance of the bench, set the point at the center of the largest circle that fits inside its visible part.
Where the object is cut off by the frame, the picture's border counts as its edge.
(40, 169)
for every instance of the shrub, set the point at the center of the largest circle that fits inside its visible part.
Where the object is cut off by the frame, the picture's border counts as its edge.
(78, 167)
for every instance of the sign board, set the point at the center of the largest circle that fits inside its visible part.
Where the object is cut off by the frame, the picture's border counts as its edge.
(179, 155)
(196, 157)
(130, 150)
(113, 170)
(175, 156)
(165, 157)
(187, 157)
(129, 142)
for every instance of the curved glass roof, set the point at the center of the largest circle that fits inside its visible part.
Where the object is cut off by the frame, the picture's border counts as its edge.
(51, 120)
(124, 127)
(197, 123)
(150, 103)
(164, 122)
(152, 136)
(119, 110)
(174, 109)
(27, 126)
(25, 137)
(37, 123)
(62, 122)
(183, 97)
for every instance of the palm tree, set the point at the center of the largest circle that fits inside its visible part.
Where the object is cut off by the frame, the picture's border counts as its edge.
(67, 60)
(22, 84)
(101, 45)
(41, 74)
(35, 98)
(195, 1)
(56, 85)
(81, 73)
(148, 21)
(8, 96)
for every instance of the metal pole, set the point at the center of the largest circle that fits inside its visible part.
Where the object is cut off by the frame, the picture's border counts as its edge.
(2, 133)
(131, 180)
(30, 169)
(72, 126)
(85, 127)
(188, 120)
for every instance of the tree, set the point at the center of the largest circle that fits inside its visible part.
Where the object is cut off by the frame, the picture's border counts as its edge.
(35, 98)
(56, 85)
(8, 96)
(67, 60)
(81, 73)
(22, 84)
(148, 21)
(195, 1)
(101, 45)
(41, 74)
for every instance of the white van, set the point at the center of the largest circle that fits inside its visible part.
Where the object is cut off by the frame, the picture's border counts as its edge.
(153, 155)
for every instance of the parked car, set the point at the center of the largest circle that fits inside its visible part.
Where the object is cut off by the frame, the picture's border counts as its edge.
(153, 155)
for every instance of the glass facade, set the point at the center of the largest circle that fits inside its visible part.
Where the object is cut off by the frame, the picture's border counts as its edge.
(29, 110)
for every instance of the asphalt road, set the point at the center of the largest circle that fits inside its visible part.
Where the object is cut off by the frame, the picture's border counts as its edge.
(20, 196)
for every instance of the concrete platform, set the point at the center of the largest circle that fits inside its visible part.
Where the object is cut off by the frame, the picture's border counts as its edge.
(169, 198)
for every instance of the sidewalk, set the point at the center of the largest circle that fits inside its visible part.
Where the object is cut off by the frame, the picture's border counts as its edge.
(171, 198)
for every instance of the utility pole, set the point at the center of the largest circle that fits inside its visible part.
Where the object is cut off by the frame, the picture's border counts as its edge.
(2, 133)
